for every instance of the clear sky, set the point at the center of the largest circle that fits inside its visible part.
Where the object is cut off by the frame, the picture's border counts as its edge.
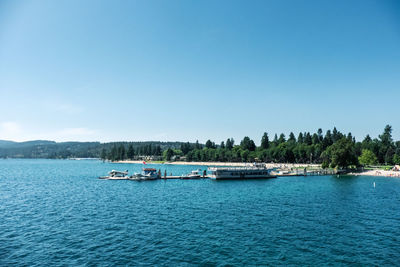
(186, 70)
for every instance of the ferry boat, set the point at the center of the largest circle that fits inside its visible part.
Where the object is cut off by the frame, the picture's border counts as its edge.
(247, 172)
(147, 174)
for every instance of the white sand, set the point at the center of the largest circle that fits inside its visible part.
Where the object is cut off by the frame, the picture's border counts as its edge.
(379, 173)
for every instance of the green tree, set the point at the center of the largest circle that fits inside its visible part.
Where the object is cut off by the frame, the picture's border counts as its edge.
(168, 154)
(229, 143)
(341, 154)
(244, 155)
(197, 145)
(158, 151)
(386, 149)
(131, 152)
(103, 154)
(300, 153)
(315, 139)
(307, 138)
(189, 156)
(367, 143)
(113, 153)
(265, 141)
(282, 138)
(320, 137)
(222, 145)
(248, 144)
(292, 138)
(121, 153)
(275, 141)
(386, 137)
(367, 158)
(209, 144)
(396, 159)
(335, 135)
(186, 147)
(300, 138)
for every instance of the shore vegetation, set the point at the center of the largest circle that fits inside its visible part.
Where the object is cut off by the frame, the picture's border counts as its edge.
(332, 149)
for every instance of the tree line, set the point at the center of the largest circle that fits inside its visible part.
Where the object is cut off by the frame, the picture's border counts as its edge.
(120, 152)
(332, 149)
(63, 150)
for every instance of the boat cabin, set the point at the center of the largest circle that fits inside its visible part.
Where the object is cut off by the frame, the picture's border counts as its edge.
(115, 173)
(150, 172)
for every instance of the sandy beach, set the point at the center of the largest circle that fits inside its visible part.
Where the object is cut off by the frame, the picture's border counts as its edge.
(378, 173)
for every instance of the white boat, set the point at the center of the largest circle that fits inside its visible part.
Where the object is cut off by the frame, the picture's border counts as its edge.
(147, 174)
(116, 175)
(192, 175)
(248, 172)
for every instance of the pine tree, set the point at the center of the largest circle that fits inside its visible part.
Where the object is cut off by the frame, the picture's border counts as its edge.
(121, 154)
(300, 139)
(327, 141)
(320, 137)
(386, 150)
(308, 139)
(222, 145)
(275, 140)
(281, 139)
(229, 143)
(103, 154)
(197, 145)
(265, 141)
(292, 138)
(315, 139)
(113, 153)
(209, 144)
(248, 144)
(131, 152)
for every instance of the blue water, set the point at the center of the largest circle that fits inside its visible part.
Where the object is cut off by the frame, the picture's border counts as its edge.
(56, 212)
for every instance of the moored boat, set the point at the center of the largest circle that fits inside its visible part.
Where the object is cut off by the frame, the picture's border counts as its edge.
(247, 172)
(116, 175)
(195, 174)
(147, 174)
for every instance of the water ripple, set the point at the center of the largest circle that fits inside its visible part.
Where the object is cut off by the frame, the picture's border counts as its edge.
(55, 212)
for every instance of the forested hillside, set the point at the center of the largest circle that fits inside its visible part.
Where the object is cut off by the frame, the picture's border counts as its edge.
(53, 150)
(332, 149)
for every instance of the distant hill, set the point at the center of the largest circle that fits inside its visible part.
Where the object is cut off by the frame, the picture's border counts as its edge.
(5, 143)
(51, 149)
(12, 144)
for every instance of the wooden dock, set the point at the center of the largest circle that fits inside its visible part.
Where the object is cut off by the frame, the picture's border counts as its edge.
(318, 172)
(181, 177)
(170, 177)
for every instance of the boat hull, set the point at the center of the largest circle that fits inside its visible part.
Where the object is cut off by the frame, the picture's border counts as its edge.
(191, 177)
(114, 178)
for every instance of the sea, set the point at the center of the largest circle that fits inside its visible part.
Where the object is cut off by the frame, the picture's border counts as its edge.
(58, 213)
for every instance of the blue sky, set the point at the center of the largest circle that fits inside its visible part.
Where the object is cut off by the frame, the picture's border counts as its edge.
(188, 70)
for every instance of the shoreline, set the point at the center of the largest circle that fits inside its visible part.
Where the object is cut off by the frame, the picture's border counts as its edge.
(375, 173)
(230, 164)
(378, 173)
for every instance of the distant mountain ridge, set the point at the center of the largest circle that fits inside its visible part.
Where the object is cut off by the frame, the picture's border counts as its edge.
(52, 149)
(10, 144)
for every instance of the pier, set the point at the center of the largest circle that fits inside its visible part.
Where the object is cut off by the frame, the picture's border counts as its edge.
(279, 172)
(170, 177)
(304, 172)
